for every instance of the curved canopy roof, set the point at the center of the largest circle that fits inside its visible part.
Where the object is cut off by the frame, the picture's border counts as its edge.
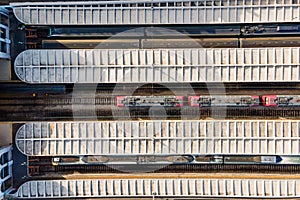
(159, 65)
(157, 12)
(217, 137)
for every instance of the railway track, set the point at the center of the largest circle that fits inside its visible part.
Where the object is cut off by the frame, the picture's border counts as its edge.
(190, 168)
(70, 101)
(109, 89)
(45, 167)
(108, 96)
(31, 101)
(12, 92)
(40, 113)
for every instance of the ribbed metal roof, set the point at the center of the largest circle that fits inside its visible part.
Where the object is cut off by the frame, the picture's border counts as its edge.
(177, 188)
(260, 137)
(157, 12)
(159, 65)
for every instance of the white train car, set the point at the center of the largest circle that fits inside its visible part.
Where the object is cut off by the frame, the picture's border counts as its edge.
(219, 101)
(144, 101)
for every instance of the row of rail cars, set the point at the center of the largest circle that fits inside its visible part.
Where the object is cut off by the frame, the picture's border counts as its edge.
(209, 101)
(175, 159)
(187, 30)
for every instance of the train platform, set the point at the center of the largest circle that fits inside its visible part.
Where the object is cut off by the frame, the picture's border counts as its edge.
(203, 175)
(5, 74)
(5, 134)
(20, 160)
(160, 12)
(18, 44)
(166, 137)
(195, 65)
(162, 187)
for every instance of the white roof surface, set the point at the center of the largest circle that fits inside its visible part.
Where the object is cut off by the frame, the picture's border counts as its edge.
(260, 137)
(159, 65)
(157, 12)
(180, 188)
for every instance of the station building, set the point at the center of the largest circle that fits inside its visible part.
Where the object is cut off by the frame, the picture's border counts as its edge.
(6, 163)
(4, 45)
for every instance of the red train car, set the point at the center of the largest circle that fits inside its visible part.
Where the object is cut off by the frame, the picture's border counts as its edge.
(280, 100)
(180, 101)
(269, 100)
(120, 101)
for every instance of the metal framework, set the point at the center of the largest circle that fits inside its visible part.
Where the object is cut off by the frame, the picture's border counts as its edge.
(218, 137)
(6, 163)
(157, 12)
(179, 188)
(159, 65)
(4, 34)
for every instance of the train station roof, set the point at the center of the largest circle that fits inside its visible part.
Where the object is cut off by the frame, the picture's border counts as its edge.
(156, 12)
(218, 137)
(177, 188)
(159, 65)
